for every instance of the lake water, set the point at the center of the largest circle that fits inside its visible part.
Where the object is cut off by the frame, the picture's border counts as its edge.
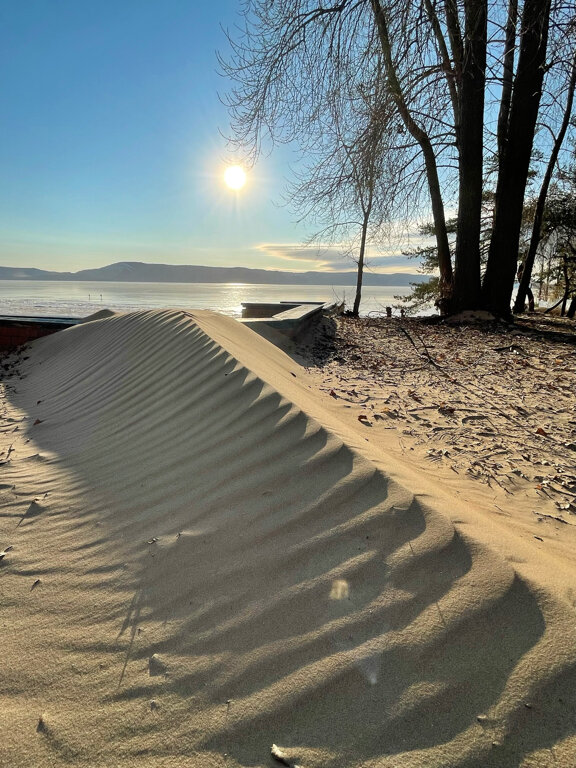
(79, 299)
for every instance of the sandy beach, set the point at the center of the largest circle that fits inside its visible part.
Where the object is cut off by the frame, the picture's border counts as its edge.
(362, 554)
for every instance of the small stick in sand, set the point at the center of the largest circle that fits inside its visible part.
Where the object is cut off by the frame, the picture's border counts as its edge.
(5, 552)
(279, 755)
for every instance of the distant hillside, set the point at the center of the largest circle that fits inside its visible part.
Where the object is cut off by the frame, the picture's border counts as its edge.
(138, 272)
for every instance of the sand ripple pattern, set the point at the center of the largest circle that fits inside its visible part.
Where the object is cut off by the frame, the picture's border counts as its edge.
(214, 571)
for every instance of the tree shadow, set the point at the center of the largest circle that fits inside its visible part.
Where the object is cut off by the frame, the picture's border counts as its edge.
(455, 679)
(285, 571)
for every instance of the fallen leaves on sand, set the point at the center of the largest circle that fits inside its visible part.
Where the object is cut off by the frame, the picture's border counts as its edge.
(499, 391)
(437, 454)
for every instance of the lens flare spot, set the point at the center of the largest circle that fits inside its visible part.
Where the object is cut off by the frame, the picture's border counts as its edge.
(340, 590)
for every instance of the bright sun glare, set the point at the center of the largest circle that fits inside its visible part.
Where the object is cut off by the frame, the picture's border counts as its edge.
(235, 177)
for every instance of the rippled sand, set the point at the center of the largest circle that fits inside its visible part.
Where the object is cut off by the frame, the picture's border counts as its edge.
(204, 563)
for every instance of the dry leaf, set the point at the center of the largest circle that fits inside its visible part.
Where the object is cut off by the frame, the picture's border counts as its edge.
(5, 552)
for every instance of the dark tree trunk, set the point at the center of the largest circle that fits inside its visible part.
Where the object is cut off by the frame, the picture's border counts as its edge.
(550, 309)
(360, 271)
(455, 37)
(467, 262)
(515, 161)
(444, 256)
(524, 286)
(572, 308)
(507, 75)
(452, 79)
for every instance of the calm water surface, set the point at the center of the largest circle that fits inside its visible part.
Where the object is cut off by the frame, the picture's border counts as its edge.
(78, 299)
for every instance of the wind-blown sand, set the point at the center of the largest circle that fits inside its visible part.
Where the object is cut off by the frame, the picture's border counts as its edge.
(206, 561)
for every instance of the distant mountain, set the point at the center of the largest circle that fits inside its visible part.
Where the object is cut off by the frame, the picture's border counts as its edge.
(138, 272)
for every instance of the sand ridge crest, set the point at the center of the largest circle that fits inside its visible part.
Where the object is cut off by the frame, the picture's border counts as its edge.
(289, 591)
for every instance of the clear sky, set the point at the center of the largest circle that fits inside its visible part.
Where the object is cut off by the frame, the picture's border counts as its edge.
(111, 145)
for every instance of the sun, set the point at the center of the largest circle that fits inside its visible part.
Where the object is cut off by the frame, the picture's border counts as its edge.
(235, 176)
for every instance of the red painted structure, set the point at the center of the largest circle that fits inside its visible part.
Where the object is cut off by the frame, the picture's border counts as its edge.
(15, 331)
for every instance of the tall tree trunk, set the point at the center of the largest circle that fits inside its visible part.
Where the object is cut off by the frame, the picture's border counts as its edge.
(455, 37)
(507, 76)
(541, 204)
(513, 171)
(360, 271)
(453, 81)
(420, 135)
(467, 261)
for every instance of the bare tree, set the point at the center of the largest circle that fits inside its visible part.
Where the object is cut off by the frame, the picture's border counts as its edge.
(557, 246)
(514, 161)
(420, 135)
(451, 70)
(288, 62)
(345, 181)
(541, 203)
(469, 137)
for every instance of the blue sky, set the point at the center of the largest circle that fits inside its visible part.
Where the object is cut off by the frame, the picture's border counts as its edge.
(111, 144)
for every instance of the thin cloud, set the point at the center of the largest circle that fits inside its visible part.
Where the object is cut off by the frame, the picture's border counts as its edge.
(327, 258)
(335, 258)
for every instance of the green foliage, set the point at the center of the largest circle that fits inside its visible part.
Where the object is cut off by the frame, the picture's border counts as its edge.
(426, 294)
(428, 259)
(423, 295)
(555, 273)
(559, 232)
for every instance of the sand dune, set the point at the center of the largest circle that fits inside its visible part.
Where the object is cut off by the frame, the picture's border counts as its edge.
(203, 565)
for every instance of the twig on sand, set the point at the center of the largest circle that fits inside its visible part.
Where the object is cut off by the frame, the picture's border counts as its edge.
(552, 517)
(426, 352)
(280, 756)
